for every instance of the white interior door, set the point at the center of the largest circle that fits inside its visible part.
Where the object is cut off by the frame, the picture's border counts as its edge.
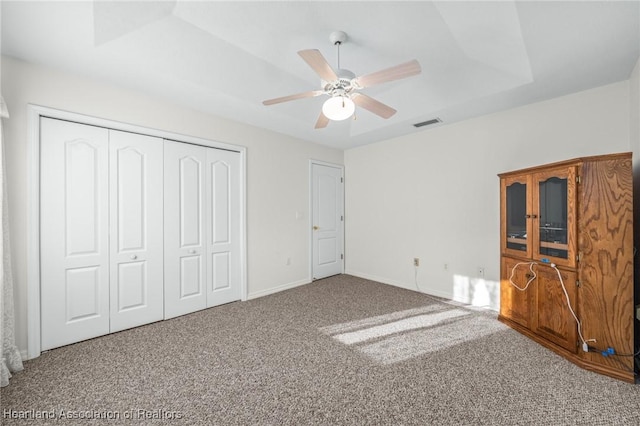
(223, 231)
(74, 232)
(136, 252)
(327, 220)
(184, 228)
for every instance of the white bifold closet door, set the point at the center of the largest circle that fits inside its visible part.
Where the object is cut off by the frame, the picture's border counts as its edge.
(136, 219)
(74, 232)
(101, 231)
(202, 227)
(184, 246)
(223, 229)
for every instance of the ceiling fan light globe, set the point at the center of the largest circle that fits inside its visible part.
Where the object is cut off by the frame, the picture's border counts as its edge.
(338, 108)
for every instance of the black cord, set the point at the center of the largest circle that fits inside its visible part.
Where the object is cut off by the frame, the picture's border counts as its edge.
(605, 353)
(633, 355)
(616, 360)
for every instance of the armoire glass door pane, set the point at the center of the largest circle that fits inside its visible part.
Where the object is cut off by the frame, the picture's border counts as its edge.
(553, 217)
(517, 216)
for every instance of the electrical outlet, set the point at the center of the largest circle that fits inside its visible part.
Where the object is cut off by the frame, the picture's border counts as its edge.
(416, 261)
(481, 271)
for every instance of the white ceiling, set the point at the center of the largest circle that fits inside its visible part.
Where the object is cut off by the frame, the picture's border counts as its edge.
(225, 58)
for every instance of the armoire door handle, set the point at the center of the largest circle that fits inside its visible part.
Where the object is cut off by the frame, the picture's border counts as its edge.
(192, 251)
(134, 257)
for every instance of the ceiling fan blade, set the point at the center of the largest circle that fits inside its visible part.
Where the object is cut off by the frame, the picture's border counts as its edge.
(322, 121)
(394, 73)
(319, 64)
(370, 104)
(303, 95)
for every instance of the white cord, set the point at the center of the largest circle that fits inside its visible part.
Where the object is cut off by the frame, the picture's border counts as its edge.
(530, 279)
(585, 345)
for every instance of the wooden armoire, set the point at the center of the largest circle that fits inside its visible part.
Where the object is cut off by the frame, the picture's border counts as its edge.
(567, 260)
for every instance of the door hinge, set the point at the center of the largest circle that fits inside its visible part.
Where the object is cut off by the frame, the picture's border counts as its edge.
(342, 257)
(341, 180)
(341, 218)
(577, 283)
(579, 257)
(577, 179)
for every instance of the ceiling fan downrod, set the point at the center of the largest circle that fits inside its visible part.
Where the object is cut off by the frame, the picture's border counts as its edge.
(337, 38)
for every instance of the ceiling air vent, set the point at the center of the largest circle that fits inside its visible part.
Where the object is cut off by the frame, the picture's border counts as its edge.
(428, 122)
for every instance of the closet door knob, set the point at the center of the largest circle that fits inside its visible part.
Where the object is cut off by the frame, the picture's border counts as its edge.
(134, 257)
(192, 251)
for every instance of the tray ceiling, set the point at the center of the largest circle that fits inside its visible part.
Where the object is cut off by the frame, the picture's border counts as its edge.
(225, 58)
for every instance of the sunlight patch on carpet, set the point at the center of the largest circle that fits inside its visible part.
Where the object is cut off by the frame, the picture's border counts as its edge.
(402, 335)
(415, 343)
(401, 326)
(381, 319)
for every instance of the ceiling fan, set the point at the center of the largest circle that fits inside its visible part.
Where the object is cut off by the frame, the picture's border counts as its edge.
(342, 86)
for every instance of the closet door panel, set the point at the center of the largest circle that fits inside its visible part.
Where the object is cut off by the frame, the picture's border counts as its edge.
(136, 217)
(223, 232)
(74, 232)
(184, 228)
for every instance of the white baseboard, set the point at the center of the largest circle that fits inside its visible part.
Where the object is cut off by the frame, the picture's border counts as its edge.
(23, 354)
(277, 289)
(432, 292)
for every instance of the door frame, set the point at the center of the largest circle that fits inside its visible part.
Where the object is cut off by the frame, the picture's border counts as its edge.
(34, 113)
(310, 221)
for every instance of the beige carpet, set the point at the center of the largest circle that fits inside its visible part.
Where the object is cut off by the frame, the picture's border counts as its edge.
(339, 351)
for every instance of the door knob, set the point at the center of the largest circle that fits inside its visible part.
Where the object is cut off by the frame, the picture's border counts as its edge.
(315, 228)
(134, 257)
(192, 252)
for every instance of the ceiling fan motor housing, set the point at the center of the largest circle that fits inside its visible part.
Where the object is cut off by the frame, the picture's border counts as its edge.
(340, 87)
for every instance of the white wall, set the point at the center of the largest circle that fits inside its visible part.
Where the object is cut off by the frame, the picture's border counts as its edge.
(277, 170)
(634, 129)
(634, 135)
(435, 194)
(634, 116)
